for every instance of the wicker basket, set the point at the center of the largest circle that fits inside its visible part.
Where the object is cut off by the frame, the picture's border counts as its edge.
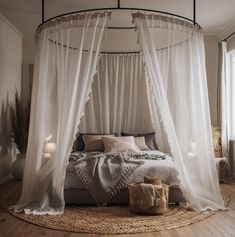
(140, 204)
(150, 180)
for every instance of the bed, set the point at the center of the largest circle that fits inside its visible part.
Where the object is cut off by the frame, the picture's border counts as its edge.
(153, 163)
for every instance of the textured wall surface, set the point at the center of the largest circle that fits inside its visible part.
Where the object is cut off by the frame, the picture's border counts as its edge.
(10, 79)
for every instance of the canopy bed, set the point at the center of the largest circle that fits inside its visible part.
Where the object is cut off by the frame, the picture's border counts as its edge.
(167, 76)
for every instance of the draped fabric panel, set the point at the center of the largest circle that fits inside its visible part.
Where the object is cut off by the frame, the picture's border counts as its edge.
(173, 52)
(231, 43)
(118, 100)
(224, 95)
(67, 55)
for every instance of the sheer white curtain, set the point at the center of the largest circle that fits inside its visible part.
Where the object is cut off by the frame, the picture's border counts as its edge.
(67, 54)
(173, 52)
(226, 92)
(224, 102)
(118, 101)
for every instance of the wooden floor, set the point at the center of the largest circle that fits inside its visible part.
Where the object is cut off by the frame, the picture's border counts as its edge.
(220, 224)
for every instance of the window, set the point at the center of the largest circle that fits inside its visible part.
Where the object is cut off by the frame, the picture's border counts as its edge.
(232, 92)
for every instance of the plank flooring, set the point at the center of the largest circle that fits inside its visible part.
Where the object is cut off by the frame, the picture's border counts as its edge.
(220, 224)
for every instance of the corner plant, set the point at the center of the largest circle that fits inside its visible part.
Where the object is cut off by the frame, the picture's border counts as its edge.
(19, 116)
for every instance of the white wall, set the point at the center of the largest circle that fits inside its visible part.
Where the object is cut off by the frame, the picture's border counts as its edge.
(211, 50)
(28, 49)
(28, 54)
(10, 79)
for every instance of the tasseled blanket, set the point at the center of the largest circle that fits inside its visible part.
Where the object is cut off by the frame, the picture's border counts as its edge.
(103, 174)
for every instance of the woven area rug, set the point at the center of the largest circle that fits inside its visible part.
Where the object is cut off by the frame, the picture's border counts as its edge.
(109, 220)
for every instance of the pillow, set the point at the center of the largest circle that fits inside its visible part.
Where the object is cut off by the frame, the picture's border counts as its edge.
(94, 142)
(149, 139)
(140, 143)
(120, 144)
(78, 144)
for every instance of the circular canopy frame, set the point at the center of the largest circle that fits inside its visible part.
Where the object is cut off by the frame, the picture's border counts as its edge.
(119, 8)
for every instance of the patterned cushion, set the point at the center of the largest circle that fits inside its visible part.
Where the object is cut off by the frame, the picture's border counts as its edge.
(120, 144)
(140, 142)
(94, 142)
(79, 144)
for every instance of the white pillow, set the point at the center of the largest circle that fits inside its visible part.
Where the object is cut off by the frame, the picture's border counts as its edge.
(120, 144)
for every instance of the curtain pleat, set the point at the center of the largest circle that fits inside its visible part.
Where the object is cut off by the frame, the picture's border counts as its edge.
(174, 59)
(118, 101)
(223, 94)
(66, 59)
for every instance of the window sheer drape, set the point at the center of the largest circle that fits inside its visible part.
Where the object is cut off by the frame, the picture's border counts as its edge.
(225, 93)
(118, 100)
(226, 98)
(67, 54)
(173, 52)
(224, 102)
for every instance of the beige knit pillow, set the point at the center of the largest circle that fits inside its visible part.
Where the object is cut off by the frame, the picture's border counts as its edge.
(140, 143)
(120, 144)
(94, 142)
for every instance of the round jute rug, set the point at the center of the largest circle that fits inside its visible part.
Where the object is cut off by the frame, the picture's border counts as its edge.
(109, 220)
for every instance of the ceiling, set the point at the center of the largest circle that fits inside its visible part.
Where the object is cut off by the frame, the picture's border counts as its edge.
(215, 16)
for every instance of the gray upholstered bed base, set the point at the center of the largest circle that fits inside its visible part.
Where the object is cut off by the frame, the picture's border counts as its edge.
(83, 197)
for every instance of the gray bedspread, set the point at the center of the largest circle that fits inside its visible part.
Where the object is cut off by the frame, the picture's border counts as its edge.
(103, 174)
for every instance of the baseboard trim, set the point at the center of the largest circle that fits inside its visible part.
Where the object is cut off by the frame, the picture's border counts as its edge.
(5, 179)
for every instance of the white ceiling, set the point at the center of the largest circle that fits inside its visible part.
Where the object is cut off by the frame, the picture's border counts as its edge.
(213, 15)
